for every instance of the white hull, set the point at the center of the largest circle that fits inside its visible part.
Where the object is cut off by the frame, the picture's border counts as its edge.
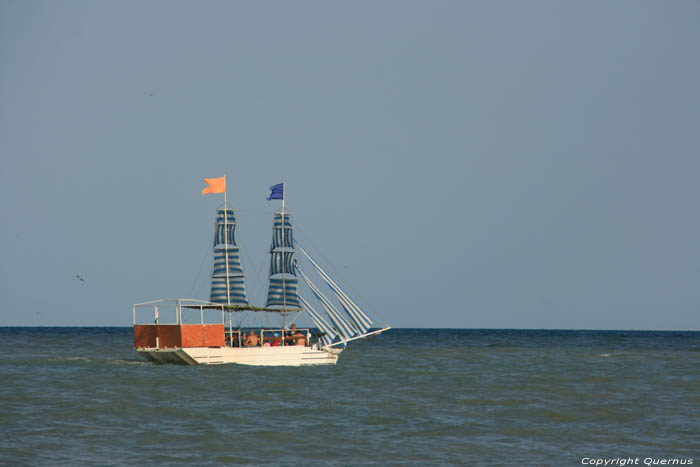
(259, 356)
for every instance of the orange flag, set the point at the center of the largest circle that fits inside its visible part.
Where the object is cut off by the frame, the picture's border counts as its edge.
(216, 185)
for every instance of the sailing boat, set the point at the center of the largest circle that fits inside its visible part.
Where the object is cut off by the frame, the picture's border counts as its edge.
(189, 331)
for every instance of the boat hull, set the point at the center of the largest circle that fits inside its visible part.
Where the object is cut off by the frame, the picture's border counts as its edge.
(258, 356)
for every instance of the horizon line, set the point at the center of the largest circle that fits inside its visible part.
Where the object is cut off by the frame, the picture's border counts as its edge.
(394, 327)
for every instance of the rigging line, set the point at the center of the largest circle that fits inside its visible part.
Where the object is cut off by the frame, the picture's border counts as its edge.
(358, 318)
(242, 319)
(199, 278)
(255, 287)
(260, 281)
(295, 318)
(336, 272)
(343, 327)
(303, 286)
(242, 250)
(317, 319)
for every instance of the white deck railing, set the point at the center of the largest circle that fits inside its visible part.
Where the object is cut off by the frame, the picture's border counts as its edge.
(179, 311)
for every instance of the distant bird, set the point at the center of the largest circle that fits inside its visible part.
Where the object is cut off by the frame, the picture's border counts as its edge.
(79, 277)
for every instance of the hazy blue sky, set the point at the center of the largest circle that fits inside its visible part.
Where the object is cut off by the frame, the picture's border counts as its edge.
(509, 164)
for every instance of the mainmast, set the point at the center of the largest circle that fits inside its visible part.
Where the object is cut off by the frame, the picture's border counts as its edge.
(284, 299)
(283, 279)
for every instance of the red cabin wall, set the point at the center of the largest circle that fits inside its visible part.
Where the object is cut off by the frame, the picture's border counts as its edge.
(144, 335)
(168, 336)
(207, 335)
(175, 335)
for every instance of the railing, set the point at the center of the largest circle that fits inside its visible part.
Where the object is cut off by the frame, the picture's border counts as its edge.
(283, 337)
(180, 311)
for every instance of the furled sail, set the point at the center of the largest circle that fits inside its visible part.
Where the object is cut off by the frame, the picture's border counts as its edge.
(341, 325)
(282, 237)
(359, 319)
(283, 280)
(282, 262)
(329, 333)
(227, 278)
(283, 292)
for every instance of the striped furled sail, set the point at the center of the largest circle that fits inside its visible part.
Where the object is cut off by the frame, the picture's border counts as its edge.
(329, 334)
(236, 289)
(360, 321)
(344, 328)
(277, 221)
(227, 284)
(283, 281)
(282, 262)
(234, 262)
(282, 237)
(283, 292)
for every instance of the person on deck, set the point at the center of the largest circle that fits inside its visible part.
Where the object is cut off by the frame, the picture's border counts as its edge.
(299, 338)
(289, 336)
(276, 340)
(295, 337)
(252, 340)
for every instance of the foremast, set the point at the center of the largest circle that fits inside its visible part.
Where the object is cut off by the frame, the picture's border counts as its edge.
(227, 277)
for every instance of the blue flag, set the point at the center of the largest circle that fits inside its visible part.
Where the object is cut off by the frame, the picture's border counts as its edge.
(277, 192)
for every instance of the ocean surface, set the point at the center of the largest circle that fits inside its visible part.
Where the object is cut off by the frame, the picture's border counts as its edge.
(83, 396)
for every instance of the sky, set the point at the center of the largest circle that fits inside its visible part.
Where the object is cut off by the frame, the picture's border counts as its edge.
(459, 164)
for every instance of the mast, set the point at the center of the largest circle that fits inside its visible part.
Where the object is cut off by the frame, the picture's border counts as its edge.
(228, 284)
(284, 299)
(283, 279)
(228, 278)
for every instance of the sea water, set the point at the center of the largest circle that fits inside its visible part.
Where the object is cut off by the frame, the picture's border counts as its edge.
(83, 396)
